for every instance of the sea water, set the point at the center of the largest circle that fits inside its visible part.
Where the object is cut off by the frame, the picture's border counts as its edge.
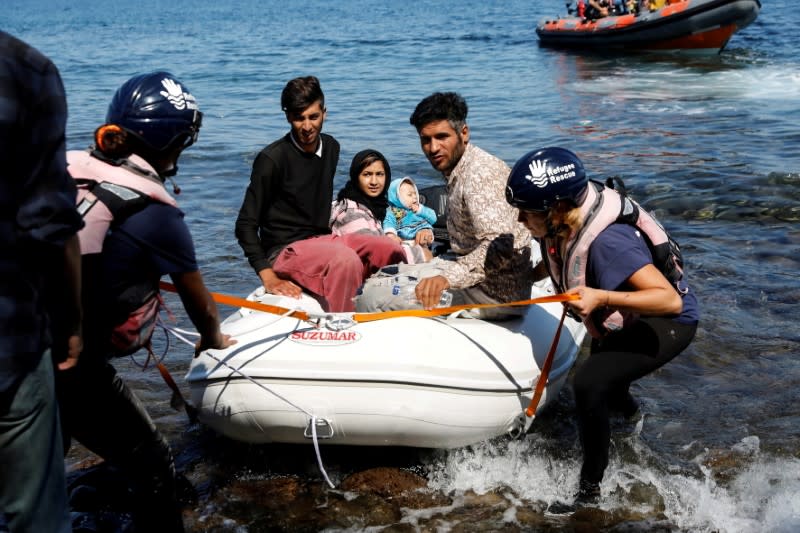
(710, 144)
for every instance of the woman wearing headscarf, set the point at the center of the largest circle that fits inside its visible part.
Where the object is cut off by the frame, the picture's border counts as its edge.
(361, 204)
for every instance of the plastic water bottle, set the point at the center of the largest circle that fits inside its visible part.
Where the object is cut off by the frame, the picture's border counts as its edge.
(446, 299)
(410, 296)
(407, 293)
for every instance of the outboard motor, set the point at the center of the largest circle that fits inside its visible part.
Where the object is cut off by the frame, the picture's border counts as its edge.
(435, 197)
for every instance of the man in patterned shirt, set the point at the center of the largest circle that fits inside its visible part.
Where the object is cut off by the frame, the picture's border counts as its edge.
(39, 266)
(492, 250)
(493, 263)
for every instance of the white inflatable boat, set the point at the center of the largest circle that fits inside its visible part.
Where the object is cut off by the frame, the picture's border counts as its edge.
(439, 382)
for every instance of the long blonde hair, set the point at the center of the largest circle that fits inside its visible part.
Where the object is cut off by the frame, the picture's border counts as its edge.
(565, 219)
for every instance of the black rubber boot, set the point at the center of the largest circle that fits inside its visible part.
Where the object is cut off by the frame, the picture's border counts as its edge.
(156, 506)
(587, 496)
(588, 493)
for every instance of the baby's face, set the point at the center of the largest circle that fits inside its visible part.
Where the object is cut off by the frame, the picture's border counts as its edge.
(408, 195)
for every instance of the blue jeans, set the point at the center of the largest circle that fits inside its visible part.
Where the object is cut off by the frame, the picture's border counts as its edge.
(33, 493)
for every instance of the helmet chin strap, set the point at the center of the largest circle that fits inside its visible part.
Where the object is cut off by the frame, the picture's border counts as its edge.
(551, 231)
(161, 176)
(175, 188)
(168, 175)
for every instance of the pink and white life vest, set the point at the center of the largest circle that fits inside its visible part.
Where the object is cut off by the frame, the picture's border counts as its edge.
(602, 207)
(106, 189)
(109, 190)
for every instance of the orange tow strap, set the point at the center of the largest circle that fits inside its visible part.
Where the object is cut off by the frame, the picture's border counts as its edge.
(371, 317)
(545, 373)
(234, 301)
(178, 400)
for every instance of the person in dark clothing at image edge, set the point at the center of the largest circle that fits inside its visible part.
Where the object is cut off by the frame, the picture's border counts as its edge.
(38, 226)
(283, 224)
(152, 118)
(634, 299)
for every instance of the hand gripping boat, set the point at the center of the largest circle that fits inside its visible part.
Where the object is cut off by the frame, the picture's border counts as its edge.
(696, 26)
(439, 382)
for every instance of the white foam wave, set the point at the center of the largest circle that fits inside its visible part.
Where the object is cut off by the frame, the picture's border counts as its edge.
(768, 83)
(764, 497)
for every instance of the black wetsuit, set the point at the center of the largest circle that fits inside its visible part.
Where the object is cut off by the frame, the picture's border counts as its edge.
(602, 381)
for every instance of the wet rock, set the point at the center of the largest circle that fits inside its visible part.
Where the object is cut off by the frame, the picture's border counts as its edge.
(486, 499)
(400, 487)
(473, 517)
(400, 528)
(725, 464)
(282, 504)
(384, 481)
(618, 520)
(364, 511)
(422, 499)
(646, 494)
(531, 517)
(498, 510)
(589, 519)
(288, 504)
(270, 492)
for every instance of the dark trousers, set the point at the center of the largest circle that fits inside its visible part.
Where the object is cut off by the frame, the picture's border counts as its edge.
(33, 494)
(102, 413)
(603, 380)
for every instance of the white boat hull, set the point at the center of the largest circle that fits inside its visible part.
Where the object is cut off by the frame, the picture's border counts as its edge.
(438, 383)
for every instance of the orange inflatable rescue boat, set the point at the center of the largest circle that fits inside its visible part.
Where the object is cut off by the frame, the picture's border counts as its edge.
(695, 26)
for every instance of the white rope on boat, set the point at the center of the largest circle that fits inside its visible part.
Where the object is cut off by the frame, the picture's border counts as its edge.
(316, 449)
(179, 334)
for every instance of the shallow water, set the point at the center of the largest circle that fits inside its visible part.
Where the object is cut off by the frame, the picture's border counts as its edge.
(711, 145)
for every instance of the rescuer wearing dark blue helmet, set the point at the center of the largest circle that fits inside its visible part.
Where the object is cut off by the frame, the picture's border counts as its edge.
(542, 177)
(161, 116)
(151, 120)
(598, 243)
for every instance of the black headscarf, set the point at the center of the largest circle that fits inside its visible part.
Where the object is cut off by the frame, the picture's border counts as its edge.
(352, 191)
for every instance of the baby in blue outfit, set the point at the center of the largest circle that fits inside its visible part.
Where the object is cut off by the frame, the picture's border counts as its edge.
(406, 216)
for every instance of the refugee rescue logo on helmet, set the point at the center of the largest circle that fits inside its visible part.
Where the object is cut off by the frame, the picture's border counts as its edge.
(176, 96)
(158, 109)
(543, 176)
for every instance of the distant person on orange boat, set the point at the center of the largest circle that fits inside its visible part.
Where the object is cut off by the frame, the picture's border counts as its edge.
(362, 204)
(595, 9)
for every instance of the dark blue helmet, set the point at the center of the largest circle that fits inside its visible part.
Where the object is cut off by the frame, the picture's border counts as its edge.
(543, 176)
(158, 109)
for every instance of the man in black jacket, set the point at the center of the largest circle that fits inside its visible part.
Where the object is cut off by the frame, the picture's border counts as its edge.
(283, 224)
